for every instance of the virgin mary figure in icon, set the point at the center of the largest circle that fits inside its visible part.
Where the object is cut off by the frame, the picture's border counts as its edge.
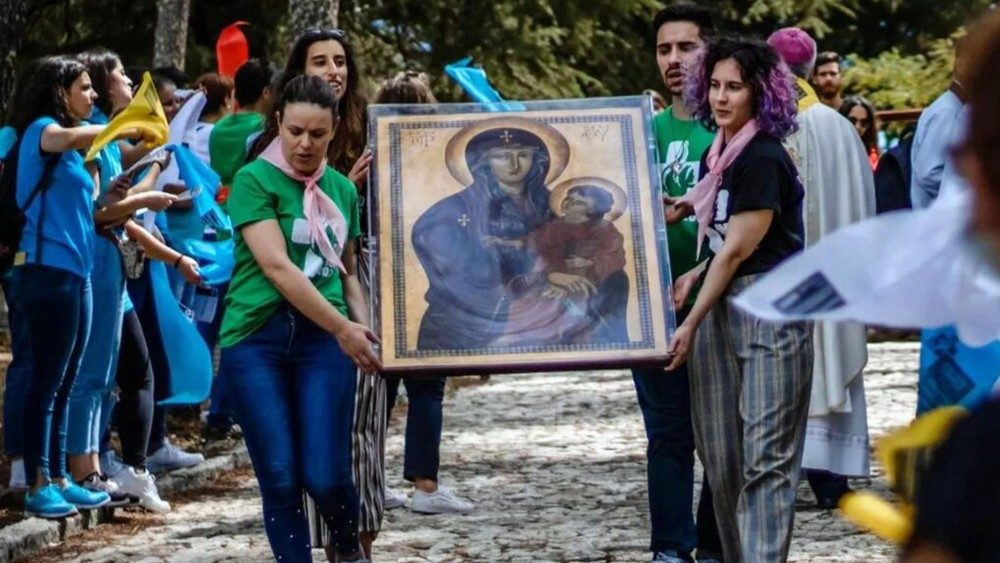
(472, 245)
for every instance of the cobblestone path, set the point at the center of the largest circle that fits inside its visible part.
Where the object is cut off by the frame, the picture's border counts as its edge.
(555, 464)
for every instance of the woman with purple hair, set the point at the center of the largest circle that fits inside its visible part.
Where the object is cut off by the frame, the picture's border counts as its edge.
(750, 379)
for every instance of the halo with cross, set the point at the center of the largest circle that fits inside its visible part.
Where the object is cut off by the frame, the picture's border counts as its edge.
(559, 191)
(555, 142)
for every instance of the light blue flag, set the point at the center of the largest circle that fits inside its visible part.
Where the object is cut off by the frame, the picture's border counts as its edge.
(187, 229)
(188, 360)
(473, 80)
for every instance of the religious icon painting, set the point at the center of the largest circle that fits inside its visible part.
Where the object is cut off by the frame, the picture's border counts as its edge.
(517, 237)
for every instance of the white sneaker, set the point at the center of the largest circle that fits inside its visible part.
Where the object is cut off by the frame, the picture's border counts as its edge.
(141, 484)
(170, 457)
(111, 464)
(394, 498)
(442, 501)
(17, 480)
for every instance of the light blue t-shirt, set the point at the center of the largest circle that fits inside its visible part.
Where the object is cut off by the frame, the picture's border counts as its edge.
(68, 234)
(8, 136)
(109, 165)
(109, 158)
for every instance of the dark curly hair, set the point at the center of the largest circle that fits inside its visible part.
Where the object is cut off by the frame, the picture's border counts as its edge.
(774, 101)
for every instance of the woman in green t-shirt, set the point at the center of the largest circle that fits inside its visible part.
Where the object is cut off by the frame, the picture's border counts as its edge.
(295, 285)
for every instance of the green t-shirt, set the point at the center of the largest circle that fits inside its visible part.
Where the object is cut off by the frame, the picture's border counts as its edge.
(261, 191)
(680, 145)
(227, 143)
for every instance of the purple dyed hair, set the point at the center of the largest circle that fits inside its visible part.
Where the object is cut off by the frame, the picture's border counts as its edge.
(775, 104)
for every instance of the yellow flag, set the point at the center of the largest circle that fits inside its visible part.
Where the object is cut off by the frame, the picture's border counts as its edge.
(872, 513)
(144, 113)
(906, 454)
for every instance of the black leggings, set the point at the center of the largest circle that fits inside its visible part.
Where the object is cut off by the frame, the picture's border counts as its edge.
(135, 379)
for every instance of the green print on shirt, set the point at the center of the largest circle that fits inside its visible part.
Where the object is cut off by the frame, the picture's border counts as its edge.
(678, 172)
(314, 265)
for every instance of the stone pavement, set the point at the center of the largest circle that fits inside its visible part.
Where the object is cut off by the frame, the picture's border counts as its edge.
(555, 464)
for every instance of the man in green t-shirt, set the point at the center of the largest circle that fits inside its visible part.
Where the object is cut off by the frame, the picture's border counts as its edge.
(681, 30)
(227, 144)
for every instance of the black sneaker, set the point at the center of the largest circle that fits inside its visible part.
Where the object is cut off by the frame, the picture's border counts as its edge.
(98, 482)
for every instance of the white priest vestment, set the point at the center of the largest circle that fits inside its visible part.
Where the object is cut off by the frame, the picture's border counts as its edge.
(839, 190)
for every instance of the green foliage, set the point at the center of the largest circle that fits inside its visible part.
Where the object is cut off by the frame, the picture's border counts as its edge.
(530, 48)
(533, 48)
(127, 27)
(895, 81)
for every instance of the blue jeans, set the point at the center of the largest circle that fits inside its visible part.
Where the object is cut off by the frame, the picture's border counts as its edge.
(293, 392)
(93, 395)
(53, 307)
(16, 384)
(665, 401)
(422, 451)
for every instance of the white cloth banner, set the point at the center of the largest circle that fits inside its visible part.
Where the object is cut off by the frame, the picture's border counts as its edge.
(904, 269)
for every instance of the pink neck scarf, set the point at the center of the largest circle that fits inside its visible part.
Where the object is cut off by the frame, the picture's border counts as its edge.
(703, 194)
(321, 212)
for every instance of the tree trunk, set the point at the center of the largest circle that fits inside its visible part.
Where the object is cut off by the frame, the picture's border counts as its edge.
(303, 14)
(12, 31)
(170, 43)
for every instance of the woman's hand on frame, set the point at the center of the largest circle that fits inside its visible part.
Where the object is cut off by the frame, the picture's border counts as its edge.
(680, 346)
(355, 339)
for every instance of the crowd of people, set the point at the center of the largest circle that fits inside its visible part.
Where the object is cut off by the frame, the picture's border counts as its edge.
(98, 369)
(760, 156)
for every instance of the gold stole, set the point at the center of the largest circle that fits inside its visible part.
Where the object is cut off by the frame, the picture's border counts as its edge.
(806, 95)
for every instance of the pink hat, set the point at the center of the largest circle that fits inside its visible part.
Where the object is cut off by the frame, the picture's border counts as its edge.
(793, 45)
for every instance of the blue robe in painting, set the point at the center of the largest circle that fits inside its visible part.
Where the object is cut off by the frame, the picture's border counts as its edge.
(472, 281)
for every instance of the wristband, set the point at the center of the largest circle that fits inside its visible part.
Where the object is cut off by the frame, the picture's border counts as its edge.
(178, 261)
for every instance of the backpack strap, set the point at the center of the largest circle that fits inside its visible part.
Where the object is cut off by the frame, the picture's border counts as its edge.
(41, 187)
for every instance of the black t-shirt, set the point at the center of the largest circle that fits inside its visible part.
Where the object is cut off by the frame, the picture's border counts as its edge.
(763, 177)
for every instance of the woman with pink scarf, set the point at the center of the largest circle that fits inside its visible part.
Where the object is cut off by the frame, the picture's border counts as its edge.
(750, 379)
(290, 336)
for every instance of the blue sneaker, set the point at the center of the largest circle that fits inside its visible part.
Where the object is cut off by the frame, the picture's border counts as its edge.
(83, 498)
(47, 502)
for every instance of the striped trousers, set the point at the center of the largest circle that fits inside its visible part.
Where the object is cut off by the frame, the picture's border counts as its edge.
(750, 388)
